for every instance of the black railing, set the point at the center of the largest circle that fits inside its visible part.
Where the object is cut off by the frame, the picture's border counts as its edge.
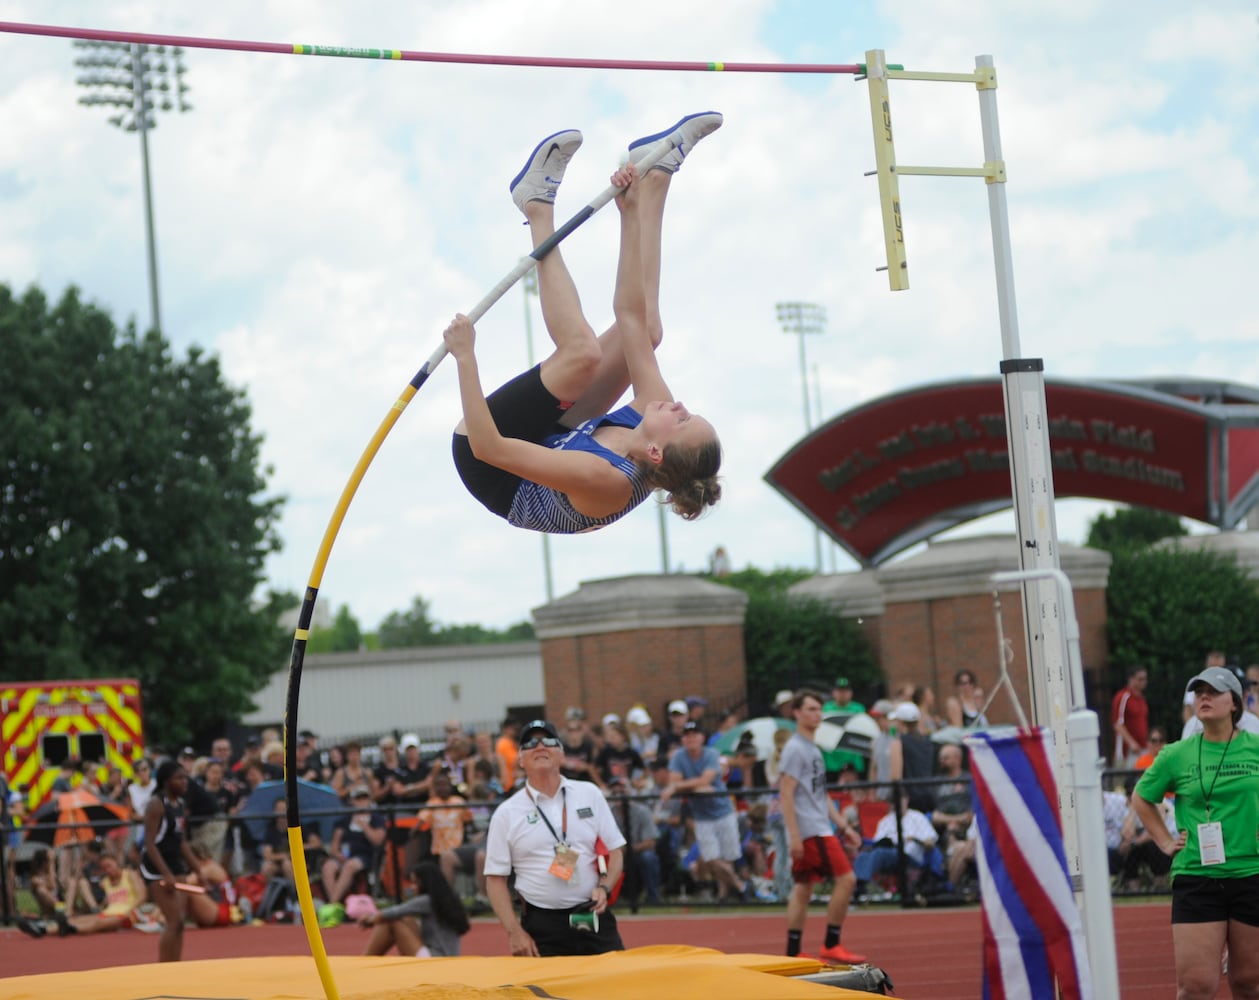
(867, 799)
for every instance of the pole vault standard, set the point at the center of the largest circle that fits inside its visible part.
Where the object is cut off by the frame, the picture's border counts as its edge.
(291, 49)
(1056, 680)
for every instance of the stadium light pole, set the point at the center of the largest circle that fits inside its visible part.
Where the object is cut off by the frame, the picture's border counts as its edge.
(802, 318)
(138, 80)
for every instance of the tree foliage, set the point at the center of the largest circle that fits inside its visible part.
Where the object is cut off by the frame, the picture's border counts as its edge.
(792, 642)
(133, 525)
(1166, 609)
(344, 635)
(1131, 528)
(415, 627)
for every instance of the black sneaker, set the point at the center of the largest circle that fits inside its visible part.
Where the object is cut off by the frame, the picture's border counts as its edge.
(30, 927)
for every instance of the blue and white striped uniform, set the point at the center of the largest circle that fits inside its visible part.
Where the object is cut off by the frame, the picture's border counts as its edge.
(540, 508)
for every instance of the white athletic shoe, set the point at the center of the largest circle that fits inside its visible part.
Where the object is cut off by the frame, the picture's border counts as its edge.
(540, 177)
(684, 135)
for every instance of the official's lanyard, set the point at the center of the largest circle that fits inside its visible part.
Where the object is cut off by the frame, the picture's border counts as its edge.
(1206, 793)
(563, 815)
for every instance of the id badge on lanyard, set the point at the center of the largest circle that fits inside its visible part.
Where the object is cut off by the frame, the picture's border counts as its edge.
(1211, 844)
(564, 863)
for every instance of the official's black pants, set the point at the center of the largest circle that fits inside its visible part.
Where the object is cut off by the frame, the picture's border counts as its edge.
(553, 934)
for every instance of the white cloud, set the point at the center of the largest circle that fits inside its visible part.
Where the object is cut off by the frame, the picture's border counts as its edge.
(319, 220)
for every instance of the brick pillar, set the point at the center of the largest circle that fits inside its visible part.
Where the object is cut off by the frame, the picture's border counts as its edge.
(931, 614)
(649, 638)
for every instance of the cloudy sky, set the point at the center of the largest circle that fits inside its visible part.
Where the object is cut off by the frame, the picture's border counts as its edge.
(319, 220)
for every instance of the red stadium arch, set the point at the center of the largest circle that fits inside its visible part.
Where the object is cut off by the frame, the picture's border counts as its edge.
(886, 475)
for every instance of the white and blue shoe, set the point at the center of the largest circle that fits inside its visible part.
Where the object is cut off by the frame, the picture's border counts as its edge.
(684, 135)
(540, 177)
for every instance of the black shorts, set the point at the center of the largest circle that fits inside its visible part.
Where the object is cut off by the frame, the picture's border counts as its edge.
(1197, 899)
(523, 409)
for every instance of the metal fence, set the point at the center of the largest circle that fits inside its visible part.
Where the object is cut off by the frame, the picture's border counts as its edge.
(908, 883)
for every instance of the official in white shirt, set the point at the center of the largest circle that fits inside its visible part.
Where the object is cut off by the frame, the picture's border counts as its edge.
(545, 834)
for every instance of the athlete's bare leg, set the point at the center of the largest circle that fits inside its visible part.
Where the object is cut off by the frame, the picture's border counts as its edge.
(611, 379)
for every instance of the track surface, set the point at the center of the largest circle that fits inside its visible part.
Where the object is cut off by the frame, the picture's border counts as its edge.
(930, 954)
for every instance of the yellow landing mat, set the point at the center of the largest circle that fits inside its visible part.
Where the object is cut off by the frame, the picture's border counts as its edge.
(660, 972)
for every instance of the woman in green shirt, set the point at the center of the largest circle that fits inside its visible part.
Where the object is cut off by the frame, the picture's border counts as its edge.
(1215, 855)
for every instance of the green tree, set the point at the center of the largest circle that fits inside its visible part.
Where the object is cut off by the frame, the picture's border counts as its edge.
(792, 642)
(133, 521)
(1130, 528)
(1166, 608)
(415, 627)
(344, 635)
(404, 629)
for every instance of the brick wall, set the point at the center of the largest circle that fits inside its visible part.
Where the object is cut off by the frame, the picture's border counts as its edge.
(610, 671)
(927, 641)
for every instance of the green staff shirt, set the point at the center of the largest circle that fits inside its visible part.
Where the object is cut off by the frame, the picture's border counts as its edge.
(1234, 800)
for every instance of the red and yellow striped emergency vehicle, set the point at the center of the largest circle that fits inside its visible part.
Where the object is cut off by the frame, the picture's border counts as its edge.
(46, 723)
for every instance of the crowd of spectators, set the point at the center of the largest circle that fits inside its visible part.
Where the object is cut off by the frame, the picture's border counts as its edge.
(397, 801)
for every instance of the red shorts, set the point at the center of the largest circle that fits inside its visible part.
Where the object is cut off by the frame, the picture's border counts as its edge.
(823, 858)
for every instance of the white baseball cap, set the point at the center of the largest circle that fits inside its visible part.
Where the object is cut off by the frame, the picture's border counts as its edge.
(677, 707)
(409, 740)
(637, 716)
(906, 711)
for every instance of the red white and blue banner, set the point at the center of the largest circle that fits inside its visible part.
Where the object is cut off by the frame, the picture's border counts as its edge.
(1034, 946)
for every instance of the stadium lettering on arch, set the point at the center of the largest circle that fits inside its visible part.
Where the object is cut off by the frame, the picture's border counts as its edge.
(892, 472)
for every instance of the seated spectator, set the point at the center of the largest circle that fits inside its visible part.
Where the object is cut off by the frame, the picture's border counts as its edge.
(642, 735)
(743, 765)
(331, 761)
(508, 749)
(962, 869)
(1141, 856)
(469, 857)
(1156, 740)
(275, 856)
(273, 760)
(618, 761)
(217, 906)
(925, 698)
(455, 760)
(355, 841)
(637, 825)
(414, 774)
(728, 720)
(757, 844)
(429, 925)
(579, 747)
(444, 816)
(219, 800)
(353, 772)
(883, 856)
(484, 748)
(43, 883)
(1114, 812)
(124, 891)
(952, 812)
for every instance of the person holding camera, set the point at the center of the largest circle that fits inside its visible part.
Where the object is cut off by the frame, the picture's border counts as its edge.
(548, 834)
